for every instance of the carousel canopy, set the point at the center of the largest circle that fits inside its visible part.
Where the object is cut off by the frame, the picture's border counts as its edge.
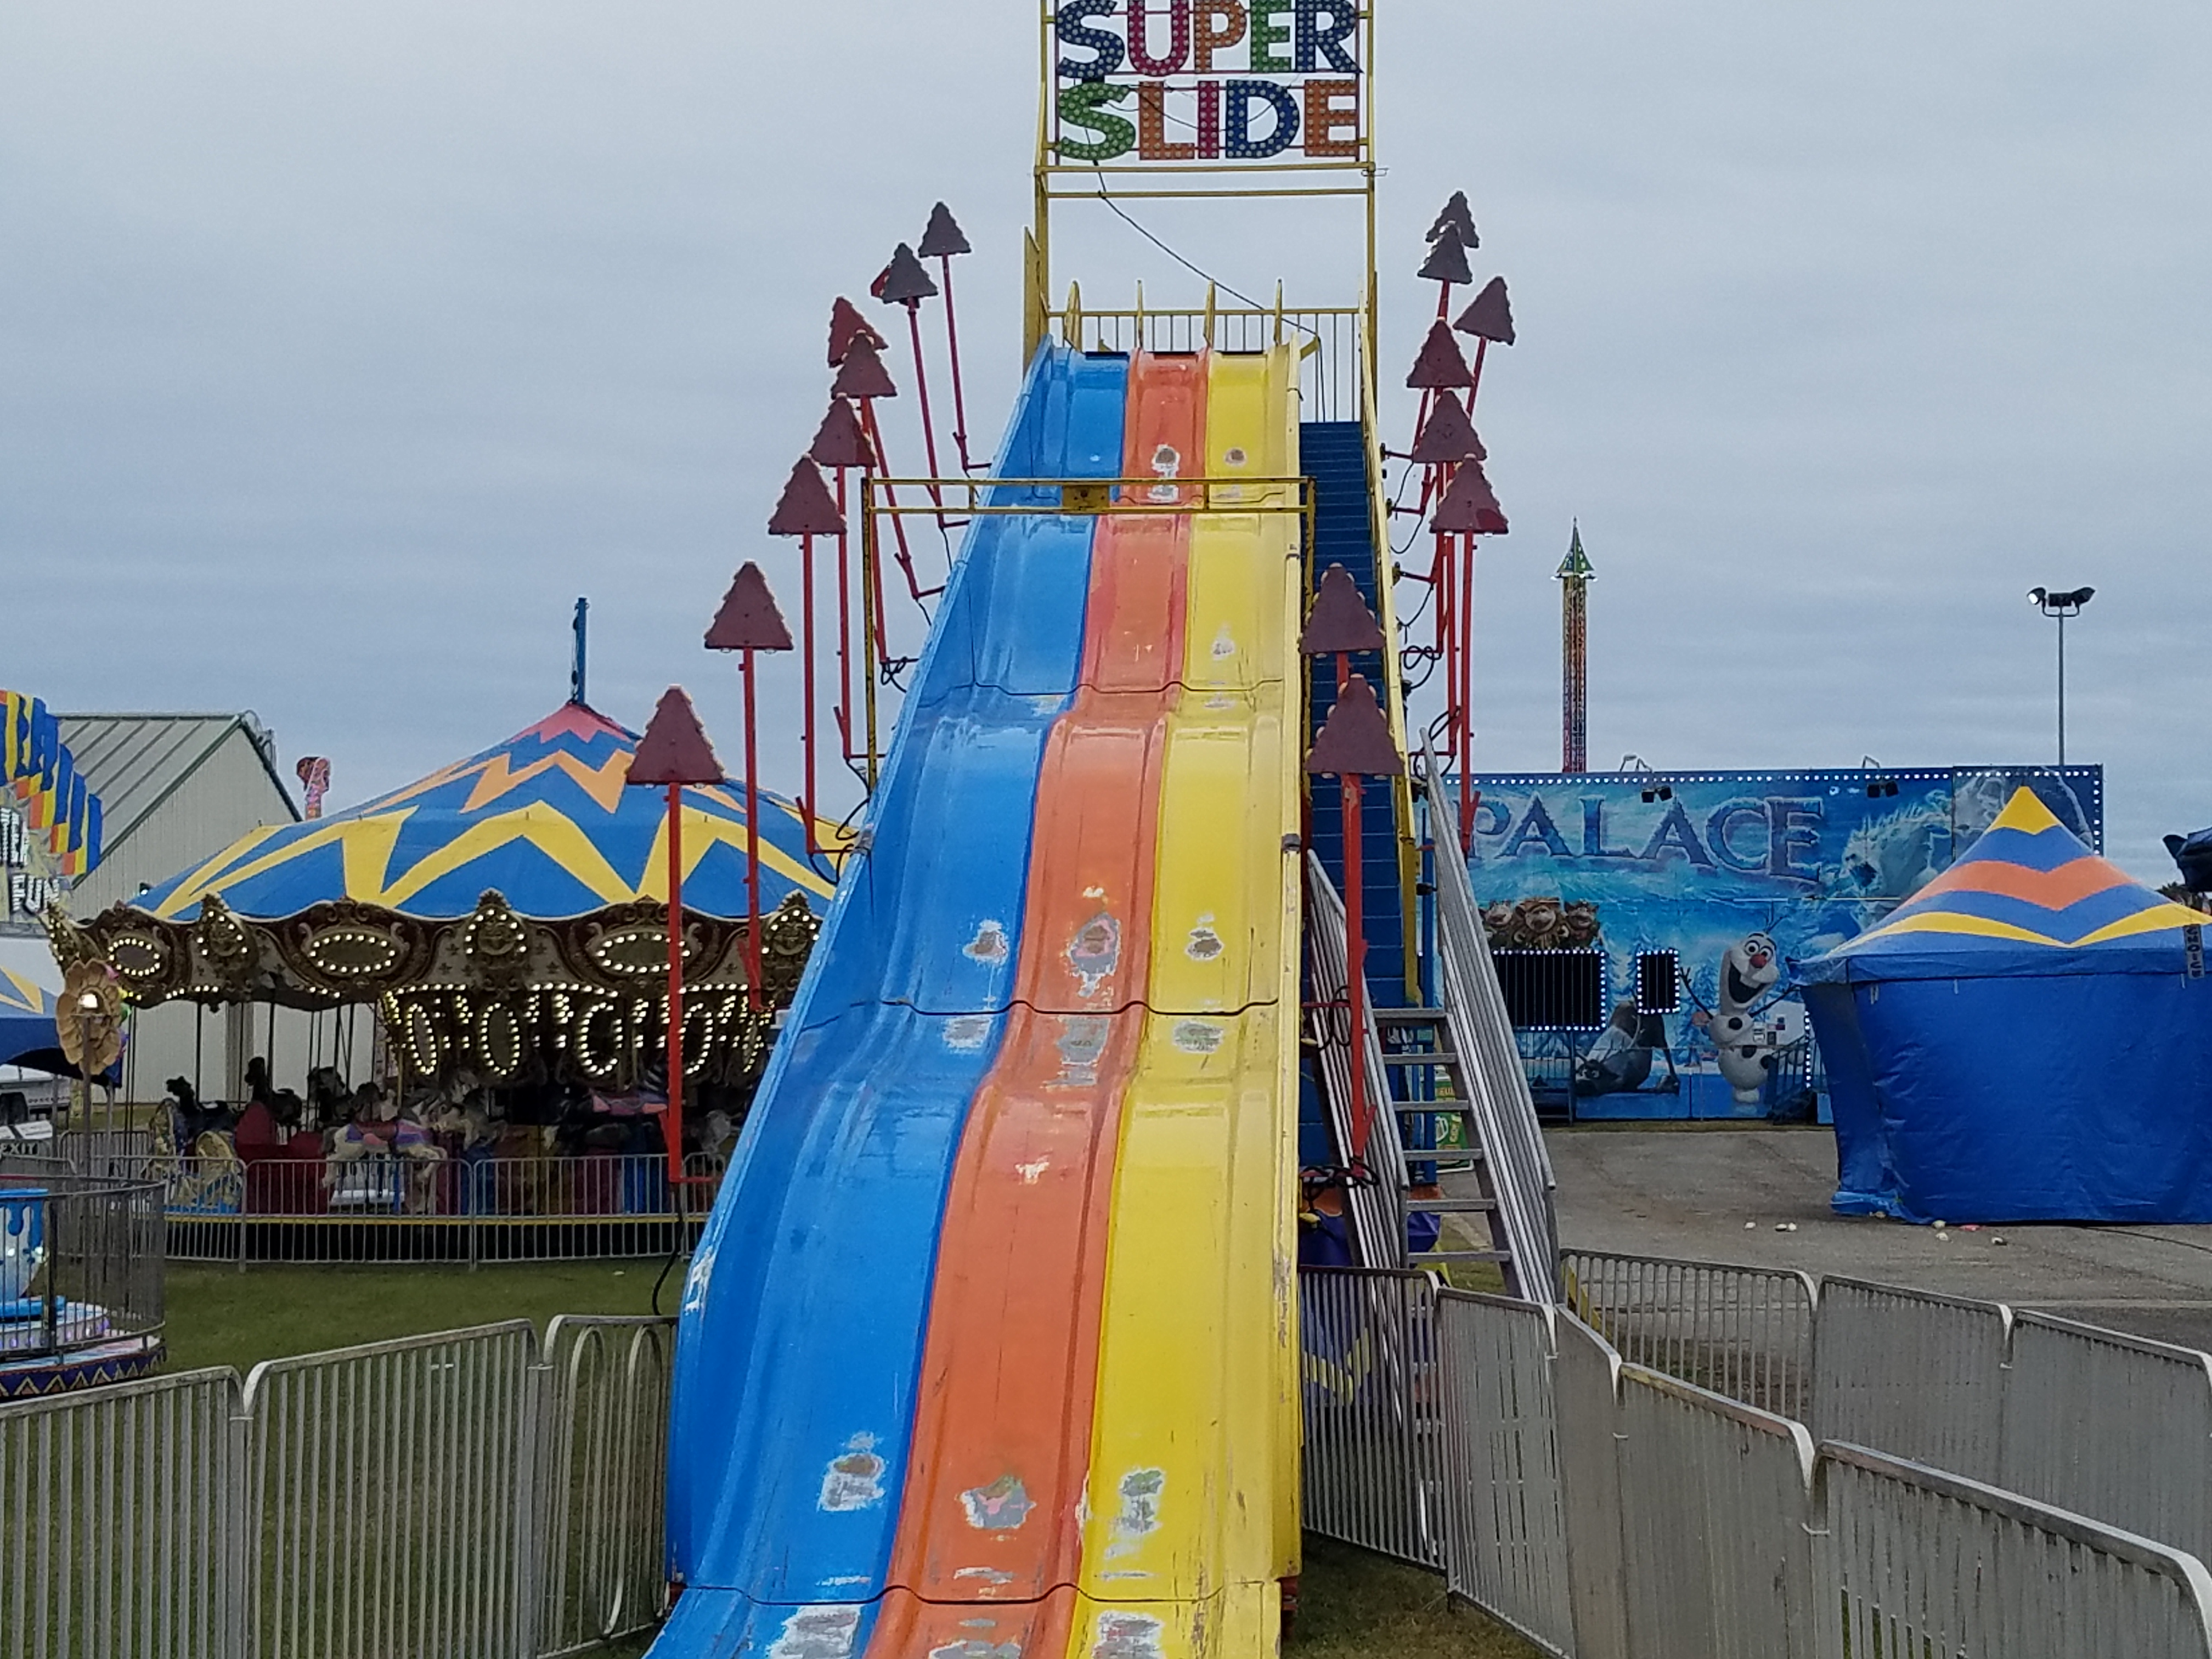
(545, 819)
(534, 864)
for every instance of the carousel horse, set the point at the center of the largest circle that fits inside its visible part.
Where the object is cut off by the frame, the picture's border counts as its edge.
(377, 1132)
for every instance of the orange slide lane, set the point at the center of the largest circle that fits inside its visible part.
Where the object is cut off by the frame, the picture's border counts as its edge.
(991, 1506)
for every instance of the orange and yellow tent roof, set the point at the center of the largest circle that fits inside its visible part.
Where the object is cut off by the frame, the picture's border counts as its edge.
(547, 819)
(2026, 895)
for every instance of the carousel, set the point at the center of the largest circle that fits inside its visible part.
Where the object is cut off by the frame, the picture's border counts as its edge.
(504, 921)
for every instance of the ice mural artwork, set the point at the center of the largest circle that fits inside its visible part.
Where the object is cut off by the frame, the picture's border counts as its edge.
(1734, 874)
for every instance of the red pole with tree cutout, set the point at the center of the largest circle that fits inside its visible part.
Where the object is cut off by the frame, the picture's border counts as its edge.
(674, 752)
(748, 623)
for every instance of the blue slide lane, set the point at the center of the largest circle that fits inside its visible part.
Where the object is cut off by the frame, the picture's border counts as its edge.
(802, 1326)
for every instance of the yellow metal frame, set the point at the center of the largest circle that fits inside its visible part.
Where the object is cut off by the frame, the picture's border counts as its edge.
(1077, 498)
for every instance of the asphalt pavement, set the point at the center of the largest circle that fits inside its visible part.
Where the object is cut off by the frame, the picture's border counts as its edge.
(1722, 1193)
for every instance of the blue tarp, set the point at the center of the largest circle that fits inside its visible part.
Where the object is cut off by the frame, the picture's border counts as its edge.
(2029, 1039)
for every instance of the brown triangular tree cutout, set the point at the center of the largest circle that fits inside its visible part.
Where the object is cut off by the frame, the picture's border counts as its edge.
(806, 508)
(1470, 506)
(674, 749)
(943, 236)
(1339, 619)
(1448, 438)
(1355, 738)
(847, 325)
(1489, 315)
(904, 283)
(1447, 260)
(748, 619)
(862, 375)
(840, 440)
(1441, 364)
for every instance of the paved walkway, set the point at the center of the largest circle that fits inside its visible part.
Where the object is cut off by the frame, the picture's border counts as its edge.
(1689, 1192)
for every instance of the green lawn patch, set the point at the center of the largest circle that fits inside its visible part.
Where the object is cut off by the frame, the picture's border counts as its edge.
(220, 1316)
(1353, 1605)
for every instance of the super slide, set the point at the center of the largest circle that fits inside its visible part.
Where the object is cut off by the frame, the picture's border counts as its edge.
(988, 1349)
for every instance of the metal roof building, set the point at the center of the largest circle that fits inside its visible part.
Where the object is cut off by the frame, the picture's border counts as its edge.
(174, 789)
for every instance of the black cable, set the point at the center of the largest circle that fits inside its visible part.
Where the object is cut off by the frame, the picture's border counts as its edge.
(675, 1244)
(1194, 270)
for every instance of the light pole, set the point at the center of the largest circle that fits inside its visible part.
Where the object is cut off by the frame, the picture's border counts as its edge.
(2061, 605)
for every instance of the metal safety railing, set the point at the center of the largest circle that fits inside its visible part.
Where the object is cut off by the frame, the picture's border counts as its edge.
(1746, 1333)
(460, 1495)
(1329, 340)
(80, 1263)
(1610, 1511)
(448, 1210)
(1365, 1132)
(1521, 1174)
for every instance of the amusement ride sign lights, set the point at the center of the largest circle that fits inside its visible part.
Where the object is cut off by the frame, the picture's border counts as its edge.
(1208, 81)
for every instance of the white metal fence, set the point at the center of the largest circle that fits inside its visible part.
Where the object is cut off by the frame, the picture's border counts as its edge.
(453, 1495)
(1610, 1511)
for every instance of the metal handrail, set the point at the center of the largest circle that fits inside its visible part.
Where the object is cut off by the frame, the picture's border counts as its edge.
(1505, 1111)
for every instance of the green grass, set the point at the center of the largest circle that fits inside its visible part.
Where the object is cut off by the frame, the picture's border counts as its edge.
(220, 1316)
(1353, 1605)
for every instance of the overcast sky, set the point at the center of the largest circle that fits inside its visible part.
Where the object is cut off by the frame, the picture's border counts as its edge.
(342, 346)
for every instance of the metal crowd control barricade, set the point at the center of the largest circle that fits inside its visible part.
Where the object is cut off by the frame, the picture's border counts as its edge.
(605, 1573)
(1920, 1376)
(1716, 1555)
(1372, 1451)
(390, 1488)
(2113, 1426)
(122, 1533)
(1918, 1562)
(1746, 1333)
(1505, 1524)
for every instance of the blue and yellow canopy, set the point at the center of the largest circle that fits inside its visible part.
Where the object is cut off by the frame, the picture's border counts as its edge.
(547, 819)
(26, 1017)
(2028, 897)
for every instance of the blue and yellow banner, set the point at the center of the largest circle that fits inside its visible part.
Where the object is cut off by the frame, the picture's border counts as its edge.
(58, 807)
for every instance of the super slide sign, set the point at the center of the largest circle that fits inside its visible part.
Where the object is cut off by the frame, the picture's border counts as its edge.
(1206, 81)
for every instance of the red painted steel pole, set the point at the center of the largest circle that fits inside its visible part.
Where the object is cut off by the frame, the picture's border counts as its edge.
(1355, 961)
(1467, 700)
(898, 526)
(808, 807)
(1481, 346)
(921, 391)
(752, 845)
(844, 627)
(673, 1124)
(952, 351)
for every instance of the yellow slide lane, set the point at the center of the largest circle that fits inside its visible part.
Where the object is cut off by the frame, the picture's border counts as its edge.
(1191, 1513)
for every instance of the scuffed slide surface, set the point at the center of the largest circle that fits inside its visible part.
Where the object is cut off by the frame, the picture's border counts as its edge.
(1068, 1423)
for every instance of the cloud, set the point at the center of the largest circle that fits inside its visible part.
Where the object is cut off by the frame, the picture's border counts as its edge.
(346, 345)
